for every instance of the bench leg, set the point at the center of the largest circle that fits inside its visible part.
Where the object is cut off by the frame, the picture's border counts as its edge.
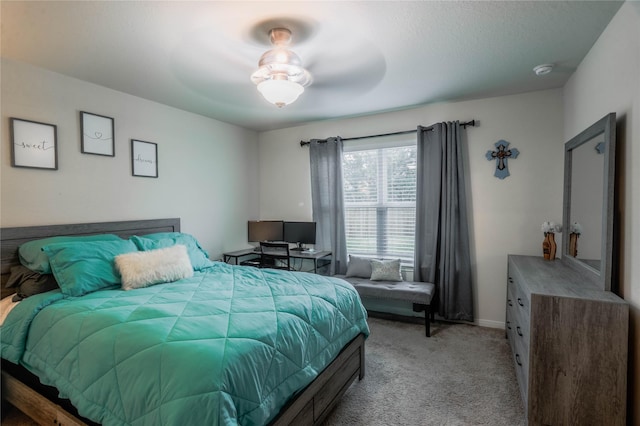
(428, 315)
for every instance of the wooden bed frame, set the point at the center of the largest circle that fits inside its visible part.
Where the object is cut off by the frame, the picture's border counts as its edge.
(24, 391)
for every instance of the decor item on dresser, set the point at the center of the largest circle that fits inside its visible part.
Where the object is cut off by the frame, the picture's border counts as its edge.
(502, 154)
(97, 134)
(33, 144)
(567, 330)
(144, 158)
(549, 246)
(574, 233)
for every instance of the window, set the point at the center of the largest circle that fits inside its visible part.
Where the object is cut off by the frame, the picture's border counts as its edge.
(380, 198)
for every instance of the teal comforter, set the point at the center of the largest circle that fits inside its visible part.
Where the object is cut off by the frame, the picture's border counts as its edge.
(228, 346)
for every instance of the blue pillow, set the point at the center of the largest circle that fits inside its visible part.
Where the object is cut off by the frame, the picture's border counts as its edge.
(83, 267)
(197, 255)
(33, 257)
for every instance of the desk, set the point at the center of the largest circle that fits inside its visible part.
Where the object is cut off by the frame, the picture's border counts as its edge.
(319, 258)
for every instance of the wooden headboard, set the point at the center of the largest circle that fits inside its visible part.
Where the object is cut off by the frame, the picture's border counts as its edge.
(12, 238)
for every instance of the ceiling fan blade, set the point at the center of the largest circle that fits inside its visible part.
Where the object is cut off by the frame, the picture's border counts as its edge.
(357, 75)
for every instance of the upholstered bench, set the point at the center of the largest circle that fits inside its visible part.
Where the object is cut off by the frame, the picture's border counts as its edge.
(419, 293)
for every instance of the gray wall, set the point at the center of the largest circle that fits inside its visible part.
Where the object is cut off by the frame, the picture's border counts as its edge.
(207, 169)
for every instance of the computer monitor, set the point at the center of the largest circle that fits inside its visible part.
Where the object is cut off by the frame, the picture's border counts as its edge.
(300, 233)
(265, 230)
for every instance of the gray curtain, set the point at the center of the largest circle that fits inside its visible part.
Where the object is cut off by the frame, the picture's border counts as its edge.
(327, 200)
(442, 254)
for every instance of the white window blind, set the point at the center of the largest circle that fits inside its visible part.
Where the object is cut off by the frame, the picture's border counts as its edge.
(380, 198)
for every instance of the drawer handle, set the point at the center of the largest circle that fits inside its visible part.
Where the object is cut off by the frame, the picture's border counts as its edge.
(520, 302)
(510, 302)
(509, 325)
(519, 331)
(518, 360)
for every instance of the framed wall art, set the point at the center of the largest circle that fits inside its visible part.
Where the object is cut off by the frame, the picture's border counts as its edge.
(97, 134)
(144, 158)
(33, 144)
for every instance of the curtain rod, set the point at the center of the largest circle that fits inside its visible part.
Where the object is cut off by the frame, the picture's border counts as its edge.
(403, 132)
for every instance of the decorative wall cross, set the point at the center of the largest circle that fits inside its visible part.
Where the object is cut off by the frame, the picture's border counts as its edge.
(501, 155)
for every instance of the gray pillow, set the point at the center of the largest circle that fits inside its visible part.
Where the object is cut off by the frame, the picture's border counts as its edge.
(29, 282)
(359, 267)
(385, 270)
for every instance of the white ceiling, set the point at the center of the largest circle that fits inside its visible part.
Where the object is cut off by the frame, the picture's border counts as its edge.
(365, 56)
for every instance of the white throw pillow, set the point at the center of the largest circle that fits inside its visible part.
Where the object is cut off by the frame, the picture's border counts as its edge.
(385, 270)
(145, 268)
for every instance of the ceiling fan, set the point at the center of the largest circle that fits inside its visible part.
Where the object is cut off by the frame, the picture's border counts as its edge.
(280, 77)
(320, 60)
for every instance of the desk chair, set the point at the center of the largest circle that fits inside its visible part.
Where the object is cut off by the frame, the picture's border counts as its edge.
(274, 255)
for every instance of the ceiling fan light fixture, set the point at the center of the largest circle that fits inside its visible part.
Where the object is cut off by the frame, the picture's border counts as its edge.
(280, 92)
(280, 77)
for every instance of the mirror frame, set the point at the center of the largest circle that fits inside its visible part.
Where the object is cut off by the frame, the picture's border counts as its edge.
(606, 125)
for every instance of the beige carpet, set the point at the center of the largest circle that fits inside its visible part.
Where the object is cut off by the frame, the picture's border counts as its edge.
(462, 375)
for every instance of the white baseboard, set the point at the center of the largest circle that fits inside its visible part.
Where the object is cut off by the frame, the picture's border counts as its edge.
(490, 323)
(405, 309)
(478, 322)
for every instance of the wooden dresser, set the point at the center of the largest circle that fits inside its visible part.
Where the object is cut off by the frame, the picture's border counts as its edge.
(569, 343)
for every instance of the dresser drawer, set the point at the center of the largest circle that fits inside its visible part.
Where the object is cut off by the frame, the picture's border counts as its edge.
(510, 323)
(518, 313)
(520, 297)
(521, 366)
(517, 330)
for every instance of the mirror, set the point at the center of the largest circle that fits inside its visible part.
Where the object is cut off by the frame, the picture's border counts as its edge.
(589, 175)
(585, 219)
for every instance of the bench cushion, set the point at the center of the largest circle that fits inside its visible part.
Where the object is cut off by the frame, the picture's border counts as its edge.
(410, 291)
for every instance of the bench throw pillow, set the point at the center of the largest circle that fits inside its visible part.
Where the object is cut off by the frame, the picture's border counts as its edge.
(359, 267)
(385, 270)
(145, 268)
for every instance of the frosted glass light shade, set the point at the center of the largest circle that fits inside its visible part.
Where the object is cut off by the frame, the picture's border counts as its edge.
(280, 76)
(280, 92)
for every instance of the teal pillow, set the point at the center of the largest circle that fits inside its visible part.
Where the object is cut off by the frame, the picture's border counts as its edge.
(83, 267)
(33, 257)
(197, 255)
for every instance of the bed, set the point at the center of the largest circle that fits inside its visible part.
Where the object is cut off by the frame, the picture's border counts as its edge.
(226, 345)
